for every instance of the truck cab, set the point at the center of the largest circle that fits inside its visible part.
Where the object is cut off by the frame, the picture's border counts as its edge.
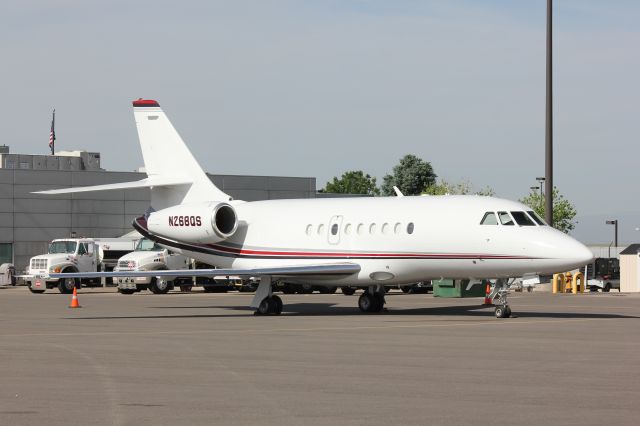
(63, 255)
(149, 256)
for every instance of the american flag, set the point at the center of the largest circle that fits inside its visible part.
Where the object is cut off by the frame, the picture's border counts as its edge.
(52, 134)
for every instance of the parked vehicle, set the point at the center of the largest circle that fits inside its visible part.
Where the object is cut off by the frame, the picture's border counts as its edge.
(603, 274)
(149, 256)
(75, 255)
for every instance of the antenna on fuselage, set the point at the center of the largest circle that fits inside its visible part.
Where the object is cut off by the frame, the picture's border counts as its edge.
(398, 192)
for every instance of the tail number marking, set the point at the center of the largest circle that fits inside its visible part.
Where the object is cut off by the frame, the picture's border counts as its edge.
(185, 221)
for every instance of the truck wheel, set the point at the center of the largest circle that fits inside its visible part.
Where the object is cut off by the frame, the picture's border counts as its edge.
(125, 291)
(159, 286)
(348, 291)
(66, 285)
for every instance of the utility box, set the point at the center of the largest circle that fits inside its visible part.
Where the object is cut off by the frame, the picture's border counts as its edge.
(458, 288)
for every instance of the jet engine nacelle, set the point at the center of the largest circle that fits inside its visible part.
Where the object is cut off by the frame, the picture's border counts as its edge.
(202, 223)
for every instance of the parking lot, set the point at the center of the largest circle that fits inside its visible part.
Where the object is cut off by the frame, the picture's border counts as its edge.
(203, 358)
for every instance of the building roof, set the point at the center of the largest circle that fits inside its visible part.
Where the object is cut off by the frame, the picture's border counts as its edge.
(632, 249)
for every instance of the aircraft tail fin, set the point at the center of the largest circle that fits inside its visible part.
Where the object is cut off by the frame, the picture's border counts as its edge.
(166, 156)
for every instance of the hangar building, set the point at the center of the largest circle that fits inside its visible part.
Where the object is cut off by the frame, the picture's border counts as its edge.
(29, 221)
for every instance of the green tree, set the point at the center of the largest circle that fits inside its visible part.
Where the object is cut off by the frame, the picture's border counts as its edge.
(353, 182)
(564, 212)
(412, 175)
(463, 187)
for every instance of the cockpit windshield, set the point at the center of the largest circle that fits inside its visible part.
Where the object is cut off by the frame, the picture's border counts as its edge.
(522, 219)
(57, 247)
(505, 219)
(537, 218)
(147, 245)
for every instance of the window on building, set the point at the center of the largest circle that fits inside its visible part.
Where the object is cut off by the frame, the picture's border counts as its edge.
(6, 253)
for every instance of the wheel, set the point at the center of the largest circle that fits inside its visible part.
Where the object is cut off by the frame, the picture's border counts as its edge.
(186, 288)
(332, 290)
(288, 289)
(209, 289)
(370, 302)
(270, 305)
(606, 288)
(35, 291)
(66, 285)
(305, 289)
(500, 312)
(405, 288)
(365, 302)
(125, 291)
(507, 313)
(348, 291)
(159, 286)
(529, 289)
(276, 305)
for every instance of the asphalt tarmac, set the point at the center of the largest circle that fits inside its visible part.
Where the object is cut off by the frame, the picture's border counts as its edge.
(204, 359)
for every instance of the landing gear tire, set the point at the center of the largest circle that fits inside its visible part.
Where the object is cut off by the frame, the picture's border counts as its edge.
(66, 285)
(125, 291)
(503, 311)
(159, 286)
(186, 288)
(348, 291)
(405, 289)
(270, 305)
(606, 288)
(370, 302)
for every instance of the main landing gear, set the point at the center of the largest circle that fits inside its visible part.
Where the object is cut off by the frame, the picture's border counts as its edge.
(372, 300)
(264, 301)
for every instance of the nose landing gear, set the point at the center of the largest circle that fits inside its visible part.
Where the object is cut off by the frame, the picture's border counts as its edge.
(372, 300)
(500, 299)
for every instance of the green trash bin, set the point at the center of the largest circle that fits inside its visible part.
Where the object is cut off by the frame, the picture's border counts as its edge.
(458, 288)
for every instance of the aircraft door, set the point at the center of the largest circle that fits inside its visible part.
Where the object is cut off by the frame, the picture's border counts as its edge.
(335, 228)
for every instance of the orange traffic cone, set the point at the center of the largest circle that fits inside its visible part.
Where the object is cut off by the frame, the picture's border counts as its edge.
(74, 300)
(487, 299)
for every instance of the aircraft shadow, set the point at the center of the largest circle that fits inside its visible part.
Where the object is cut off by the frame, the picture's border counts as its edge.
(329, 309)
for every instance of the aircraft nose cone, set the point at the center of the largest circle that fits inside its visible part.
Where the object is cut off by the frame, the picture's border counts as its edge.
(578, 253)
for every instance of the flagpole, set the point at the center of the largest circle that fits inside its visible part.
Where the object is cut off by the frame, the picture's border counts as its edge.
(52, 135)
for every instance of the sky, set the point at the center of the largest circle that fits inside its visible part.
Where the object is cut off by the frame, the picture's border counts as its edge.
(316, 88)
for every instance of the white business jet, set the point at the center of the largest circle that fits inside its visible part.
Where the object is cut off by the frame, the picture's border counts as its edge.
(364, 242)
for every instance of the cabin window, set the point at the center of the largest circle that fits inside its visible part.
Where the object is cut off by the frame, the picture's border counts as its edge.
(372, 228)
(410, 228)
(536, 218)
(347, 229)
(396, 228)
(385, 228)
(489, 219)
(320, 229)
(309, 229)
(522, 219)
(360, 228)
(334, 229)
(505, 219)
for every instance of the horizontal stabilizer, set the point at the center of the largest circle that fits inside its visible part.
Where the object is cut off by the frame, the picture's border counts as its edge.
(283, 271)
(144, 183)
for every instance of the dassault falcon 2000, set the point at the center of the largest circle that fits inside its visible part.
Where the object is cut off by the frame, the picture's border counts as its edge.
(364, 242)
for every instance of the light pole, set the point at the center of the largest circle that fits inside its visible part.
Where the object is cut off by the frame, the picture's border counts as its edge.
(615, 223)
(548, 166)
(541, 184)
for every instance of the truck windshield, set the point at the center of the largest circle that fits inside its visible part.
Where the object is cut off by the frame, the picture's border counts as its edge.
(62, 247)
(147, 245)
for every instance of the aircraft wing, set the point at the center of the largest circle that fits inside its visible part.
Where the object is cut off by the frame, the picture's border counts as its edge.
(335, 269)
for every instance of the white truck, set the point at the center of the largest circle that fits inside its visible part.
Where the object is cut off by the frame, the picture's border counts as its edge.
(148, 256)
(75, 255)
